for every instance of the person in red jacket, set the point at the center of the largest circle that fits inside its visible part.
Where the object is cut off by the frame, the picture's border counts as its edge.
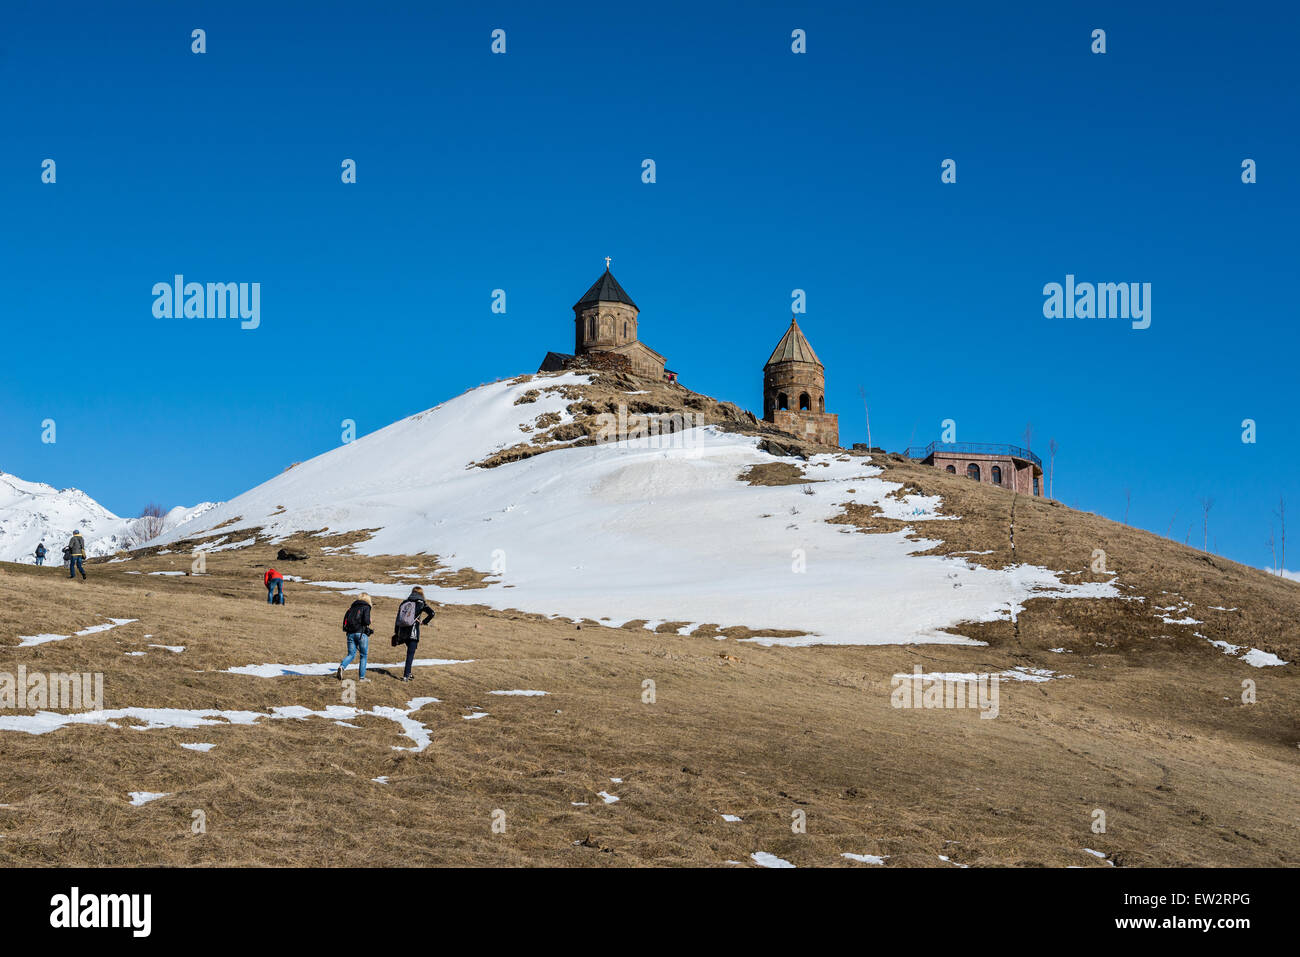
(274, 583)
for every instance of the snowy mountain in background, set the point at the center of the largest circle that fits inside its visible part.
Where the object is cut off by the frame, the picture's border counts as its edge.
(33, 512)
(179, 515)
(660, 529)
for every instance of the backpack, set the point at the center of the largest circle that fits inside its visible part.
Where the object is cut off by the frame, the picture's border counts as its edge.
(352, 619)
(406, 613)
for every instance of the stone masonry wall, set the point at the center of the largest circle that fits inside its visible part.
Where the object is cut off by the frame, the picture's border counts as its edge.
(820, 427)
(1020, 479)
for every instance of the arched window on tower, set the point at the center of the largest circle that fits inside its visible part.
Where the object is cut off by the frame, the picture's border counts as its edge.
(821, 403)
(973, 471)
(952, 469)
(782, 402)
(805, 403)
(591, 328)
(624, 330)
(996, 475)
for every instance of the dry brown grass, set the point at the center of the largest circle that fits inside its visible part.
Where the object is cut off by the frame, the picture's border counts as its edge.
(1150, 727)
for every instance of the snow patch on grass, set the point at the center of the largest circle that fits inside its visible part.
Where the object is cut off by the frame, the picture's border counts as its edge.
(1254, 657)
(44, 722)
(27, 641)
(144, 797)
(1262, 659)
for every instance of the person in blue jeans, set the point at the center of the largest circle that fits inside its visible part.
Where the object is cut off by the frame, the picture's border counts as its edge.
(274, 583)
(356, 625)
(76, 555)
(40, 554)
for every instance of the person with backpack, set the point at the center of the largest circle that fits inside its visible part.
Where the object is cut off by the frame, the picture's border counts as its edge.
(76, 552)
(406, 630)
(40, 554)
(356, 625)
(274, 583)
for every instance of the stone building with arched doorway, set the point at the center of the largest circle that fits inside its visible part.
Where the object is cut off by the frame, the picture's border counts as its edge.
(1006, 466)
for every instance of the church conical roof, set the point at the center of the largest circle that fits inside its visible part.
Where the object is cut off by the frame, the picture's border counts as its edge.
(793, 347)
(606, 289)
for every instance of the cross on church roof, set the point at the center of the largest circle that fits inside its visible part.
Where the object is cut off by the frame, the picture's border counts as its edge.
(607, 262)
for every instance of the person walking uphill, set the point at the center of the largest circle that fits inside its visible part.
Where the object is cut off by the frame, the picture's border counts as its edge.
(40, 554)
(274, 583)
(76, 552)
(356, 625)
(407, 628)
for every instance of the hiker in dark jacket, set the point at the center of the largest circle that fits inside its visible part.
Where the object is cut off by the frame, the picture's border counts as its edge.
(76, 552)
(40, 554)
(356, 625)
(409, 634)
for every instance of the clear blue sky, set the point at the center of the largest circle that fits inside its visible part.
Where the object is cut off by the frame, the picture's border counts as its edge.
(775, 171)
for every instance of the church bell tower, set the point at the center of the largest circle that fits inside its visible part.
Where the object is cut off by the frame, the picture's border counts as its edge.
(794, 390)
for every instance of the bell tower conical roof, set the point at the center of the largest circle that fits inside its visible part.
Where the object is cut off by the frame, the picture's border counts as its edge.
(605, 289)
(793, 347)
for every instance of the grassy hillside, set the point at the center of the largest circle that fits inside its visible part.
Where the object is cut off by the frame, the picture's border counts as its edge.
(1149, 727)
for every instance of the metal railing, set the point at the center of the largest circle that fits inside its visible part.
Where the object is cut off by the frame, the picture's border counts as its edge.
(973, 448)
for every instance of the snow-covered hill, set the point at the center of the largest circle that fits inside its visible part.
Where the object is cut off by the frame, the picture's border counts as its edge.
(33, 512)
(660, 530)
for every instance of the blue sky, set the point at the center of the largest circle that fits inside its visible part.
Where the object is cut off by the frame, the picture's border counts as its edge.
(775, 171)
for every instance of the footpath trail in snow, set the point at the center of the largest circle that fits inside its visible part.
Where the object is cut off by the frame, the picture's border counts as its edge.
(657, 529)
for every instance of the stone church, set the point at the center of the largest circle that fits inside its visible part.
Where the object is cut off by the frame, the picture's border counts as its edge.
(605, 329)
(605, 336)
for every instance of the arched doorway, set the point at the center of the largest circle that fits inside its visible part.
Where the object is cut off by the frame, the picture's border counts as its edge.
(996, 474)
(973, 471)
